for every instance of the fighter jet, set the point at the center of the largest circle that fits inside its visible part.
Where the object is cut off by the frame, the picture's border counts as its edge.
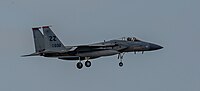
(47, 44)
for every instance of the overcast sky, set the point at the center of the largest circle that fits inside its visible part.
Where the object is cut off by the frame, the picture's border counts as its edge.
(174, 24)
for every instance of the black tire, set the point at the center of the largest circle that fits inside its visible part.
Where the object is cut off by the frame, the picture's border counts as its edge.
(79, 65)
(88, 63)
(120, 64)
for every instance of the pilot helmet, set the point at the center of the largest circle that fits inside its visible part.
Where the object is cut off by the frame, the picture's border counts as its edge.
(129, 39)
(133, 39)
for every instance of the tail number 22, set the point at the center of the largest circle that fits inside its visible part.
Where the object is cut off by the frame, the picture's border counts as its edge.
(52, 38)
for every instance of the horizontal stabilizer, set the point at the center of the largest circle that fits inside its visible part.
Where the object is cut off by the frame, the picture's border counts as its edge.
(33, 54)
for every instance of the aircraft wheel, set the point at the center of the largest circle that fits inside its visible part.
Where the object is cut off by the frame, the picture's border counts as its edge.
(87, 63)
(120, 64)
(79, 65)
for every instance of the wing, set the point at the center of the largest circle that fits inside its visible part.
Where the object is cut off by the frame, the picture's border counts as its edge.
(91, 47)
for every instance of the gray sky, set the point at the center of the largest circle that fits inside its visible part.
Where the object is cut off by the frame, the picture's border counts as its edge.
(174, 24)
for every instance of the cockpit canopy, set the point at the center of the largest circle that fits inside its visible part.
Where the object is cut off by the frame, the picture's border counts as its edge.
(132, 39)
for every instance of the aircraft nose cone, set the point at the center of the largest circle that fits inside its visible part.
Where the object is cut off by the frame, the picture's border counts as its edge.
(155, 47)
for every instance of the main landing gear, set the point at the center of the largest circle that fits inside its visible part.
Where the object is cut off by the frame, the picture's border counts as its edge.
(79, 65)
(87, 63)
(120, 56)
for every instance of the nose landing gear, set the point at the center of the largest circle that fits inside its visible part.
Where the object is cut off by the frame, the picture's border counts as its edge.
(120, 64)
(120, 56)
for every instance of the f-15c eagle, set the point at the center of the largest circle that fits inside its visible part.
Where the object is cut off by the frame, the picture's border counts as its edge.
(47, 44)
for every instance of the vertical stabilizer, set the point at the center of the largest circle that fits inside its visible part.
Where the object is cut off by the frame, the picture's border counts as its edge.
(38, 40)
(51, 41)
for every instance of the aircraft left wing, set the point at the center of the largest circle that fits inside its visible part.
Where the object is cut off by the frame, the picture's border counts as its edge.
(92, 46)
